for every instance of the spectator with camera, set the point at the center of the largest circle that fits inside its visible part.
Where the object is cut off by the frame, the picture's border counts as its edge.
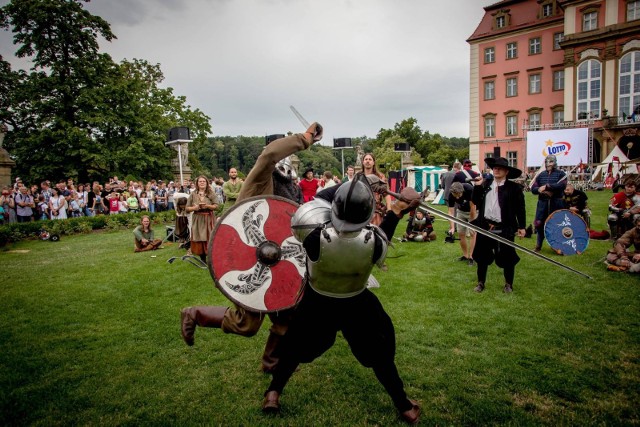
(460, 205)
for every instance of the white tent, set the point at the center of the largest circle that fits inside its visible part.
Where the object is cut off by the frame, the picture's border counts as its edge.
(619, 166)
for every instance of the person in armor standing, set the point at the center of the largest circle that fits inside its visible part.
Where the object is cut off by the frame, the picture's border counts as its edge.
(549, 186)
(272, 174)
(342, 249)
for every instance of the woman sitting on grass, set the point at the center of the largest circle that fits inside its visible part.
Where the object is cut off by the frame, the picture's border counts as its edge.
(144, 238)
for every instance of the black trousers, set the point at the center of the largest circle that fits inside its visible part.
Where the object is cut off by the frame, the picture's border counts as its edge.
(364, 324)
(487, 250)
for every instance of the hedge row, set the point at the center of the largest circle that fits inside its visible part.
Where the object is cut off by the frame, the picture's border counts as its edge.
(15, 232)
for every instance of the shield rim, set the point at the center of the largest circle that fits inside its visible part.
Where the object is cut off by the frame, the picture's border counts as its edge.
(575, 215)
(210, 245)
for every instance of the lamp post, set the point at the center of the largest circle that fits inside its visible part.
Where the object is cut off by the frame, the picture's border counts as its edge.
(177, 137)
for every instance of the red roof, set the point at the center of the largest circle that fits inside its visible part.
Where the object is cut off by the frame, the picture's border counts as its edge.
(524, 13)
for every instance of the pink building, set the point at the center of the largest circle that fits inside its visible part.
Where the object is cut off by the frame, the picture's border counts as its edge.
(546, 64)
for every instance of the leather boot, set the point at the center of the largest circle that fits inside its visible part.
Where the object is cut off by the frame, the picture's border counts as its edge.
(411, 416)
(269, 358)
(205, 316)
(271, 402)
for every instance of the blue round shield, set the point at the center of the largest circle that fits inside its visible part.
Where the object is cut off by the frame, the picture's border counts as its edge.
(566, 232)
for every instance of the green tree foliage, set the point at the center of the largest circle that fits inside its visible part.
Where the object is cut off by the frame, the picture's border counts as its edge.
(426, 148)
(321, 158)
(387, 159)
(77, 113)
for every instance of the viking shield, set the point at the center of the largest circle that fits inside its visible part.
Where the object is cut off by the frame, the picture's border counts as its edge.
(566, 232)
(253, 257)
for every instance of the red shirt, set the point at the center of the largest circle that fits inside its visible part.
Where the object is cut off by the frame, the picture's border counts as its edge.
(622, 201)
(309, 189)
(113, 204)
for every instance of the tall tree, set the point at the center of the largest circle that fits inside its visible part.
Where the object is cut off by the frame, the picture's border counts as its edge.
(77, 113)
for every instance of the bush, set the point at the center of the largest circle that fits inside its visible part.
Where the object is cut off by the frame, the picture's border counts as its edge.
(10, 233)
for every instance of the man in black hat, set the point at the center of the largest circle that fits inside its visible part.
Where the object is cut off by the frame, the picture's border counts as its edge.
(501, 210)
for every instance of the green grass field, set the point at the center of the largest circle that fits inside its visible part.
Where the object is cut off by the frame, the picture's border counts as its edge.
(90, 336)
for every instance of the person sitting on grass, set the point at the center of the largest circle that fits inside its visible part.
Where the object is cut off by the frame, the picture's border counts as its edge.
(620, 257)
(144, 238)
(420, 228)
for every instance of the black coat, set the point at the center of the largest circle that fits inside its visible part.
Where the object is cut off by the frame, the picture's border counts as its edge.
(512, 208)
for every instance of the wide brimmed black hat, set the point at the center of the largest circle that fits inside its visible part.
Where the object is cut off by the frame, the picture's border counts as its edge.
(503, 163)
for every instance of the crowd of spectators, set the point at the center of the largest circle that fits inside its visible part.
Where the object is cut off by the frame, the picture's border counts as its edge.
(22, 202)
(68, 199)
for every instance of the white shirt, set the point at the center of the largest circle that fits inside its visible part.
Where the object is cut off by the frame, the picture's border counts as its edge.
(491, 205)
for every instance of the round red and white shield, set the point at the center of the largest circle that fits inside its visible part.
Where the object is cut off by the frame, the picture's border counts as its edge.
(254, 259)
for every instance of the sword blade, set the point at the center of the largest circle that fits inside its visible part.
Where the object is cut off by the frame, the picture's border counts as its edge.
(304, 121)
(499, 238)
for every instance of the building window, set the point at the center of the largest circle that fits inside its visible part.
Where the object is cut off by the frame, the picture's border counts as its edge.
(488, 155)
(489, 90)
(489, 55)
(588, 93)
(547, 10)
(512, 50)
(590, 21)
(534, 121)
(512, 87)
(489, 127)
(535, 85)
(558, 80)
(512, 158)
(633, 10)
(557, 39)
(558, 117)
(501, 22)
(629, 84)
(512, 125)
(535, 46)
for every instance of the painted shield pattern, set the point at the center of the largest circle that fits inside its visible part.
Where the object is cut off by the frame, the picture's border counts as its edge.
(566, 232)
(254, 259)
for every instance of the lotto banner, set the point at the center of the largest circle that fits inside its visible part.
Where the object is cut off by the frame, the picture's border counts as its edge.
(570, 146)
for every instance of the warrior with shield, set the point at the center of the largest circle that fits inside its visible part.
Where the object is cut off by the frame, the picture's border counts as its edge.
(341, 250)
(549, 186)
(272, 174)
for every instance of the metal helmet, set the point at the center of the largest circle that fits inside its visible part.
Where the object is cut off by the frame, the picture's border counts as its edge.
(550, 160)
(285, 168)
(353, 206)
(309, 216)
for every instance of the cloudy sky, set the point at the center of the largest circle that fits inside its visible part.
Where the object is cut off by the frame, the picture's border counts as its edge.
(353, 65)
